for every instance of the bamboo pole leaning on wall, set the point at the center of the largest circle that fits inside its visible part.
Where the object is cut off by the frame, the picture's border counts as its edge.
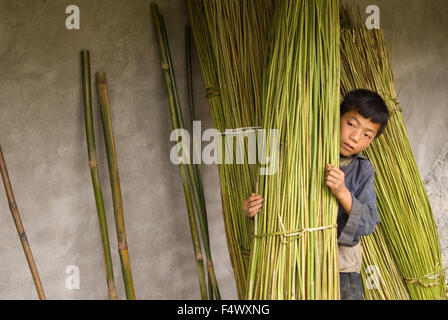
(178, 123)
(93, 164)
(197, 168)
(19, 226)
(103, 98)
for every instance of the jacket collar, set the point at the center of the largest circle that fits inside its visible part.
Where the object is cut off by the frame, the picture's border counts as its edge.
(355, 156)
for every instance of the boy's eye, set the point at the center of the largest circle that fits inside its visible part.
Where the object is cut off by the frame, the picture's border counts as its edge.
(367, 136)
(350, 124)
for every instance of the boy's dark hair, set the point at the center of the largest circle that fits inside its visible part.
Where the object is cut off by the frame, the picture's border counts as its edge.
(368, 104)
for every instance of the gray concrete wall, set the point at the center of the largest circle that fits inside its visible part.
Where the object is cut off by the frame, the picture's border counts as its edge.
(43, 138)
(436, 184)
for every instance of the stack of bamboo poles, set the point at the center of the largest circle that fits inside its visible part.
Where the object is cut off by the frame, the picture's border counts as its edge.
(407, 220)
(294, 252)
(231, 39)
(189, 173)
(104, 105)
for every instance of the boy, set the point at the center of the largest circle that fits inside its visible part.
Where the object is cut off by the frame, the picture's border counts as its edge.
(364, 117)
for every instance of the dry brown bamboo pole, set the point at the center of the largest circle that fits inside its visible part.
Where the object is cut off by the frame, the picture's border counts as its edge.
(103, 99)
(20, 228)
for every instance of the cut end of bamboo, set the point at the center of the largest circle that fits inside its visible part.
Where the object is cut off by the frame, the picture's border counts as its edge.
(101, 77)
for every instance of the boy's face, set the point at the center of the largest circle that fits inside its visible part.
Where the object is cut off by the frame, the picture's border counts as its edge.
(357, 133)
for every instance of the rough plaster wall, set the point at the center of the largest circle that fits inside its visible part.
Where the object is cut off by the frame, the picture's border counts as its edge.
(437, 187)
(43, 138)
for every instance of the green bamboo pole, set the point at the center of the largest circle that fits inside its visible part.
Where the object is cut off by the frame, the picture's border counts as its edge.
(194, 234)
(177, 122)
(103, 98)
(189, 69)
(94, 173)
(19, 226)
(198, 198)
(190, 94)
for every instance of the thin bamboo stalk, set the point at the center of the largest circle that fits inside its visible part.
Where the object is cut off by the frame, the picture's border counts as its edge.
(103, 98)
(19, 226)
(94, 173)
(189, 71)
(177, 122)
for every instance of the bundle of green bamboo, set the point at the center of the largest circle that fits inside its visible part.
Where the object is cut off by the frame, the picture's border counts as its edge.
(407, 223)
(231, 39)
(380, 274)
(294, 252)
(189, 173)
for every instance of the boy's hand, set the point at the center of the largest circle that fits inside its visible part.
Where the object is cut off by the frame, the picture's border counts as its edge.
(252, 205)
(335, 180)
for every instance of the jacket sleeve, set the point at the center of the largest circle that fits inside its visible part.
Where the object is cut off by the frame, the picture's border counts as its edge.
(364, 214)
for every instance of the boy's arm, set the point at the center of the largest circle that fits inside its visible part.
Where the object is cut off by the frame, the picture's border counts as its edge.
(363, 214)
(345, 198)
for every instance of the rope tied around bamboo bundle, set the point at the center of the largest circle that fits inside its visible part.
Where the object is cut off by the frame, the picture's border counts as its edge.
(396, 105)
(212, 91)
(237, 131)
(245, 253)
(396, 108)
(292, 235)
(436, 276)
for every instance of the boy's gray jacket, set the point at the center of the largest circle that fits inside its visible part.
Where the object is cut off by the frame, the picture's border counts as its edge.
(359, 180)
